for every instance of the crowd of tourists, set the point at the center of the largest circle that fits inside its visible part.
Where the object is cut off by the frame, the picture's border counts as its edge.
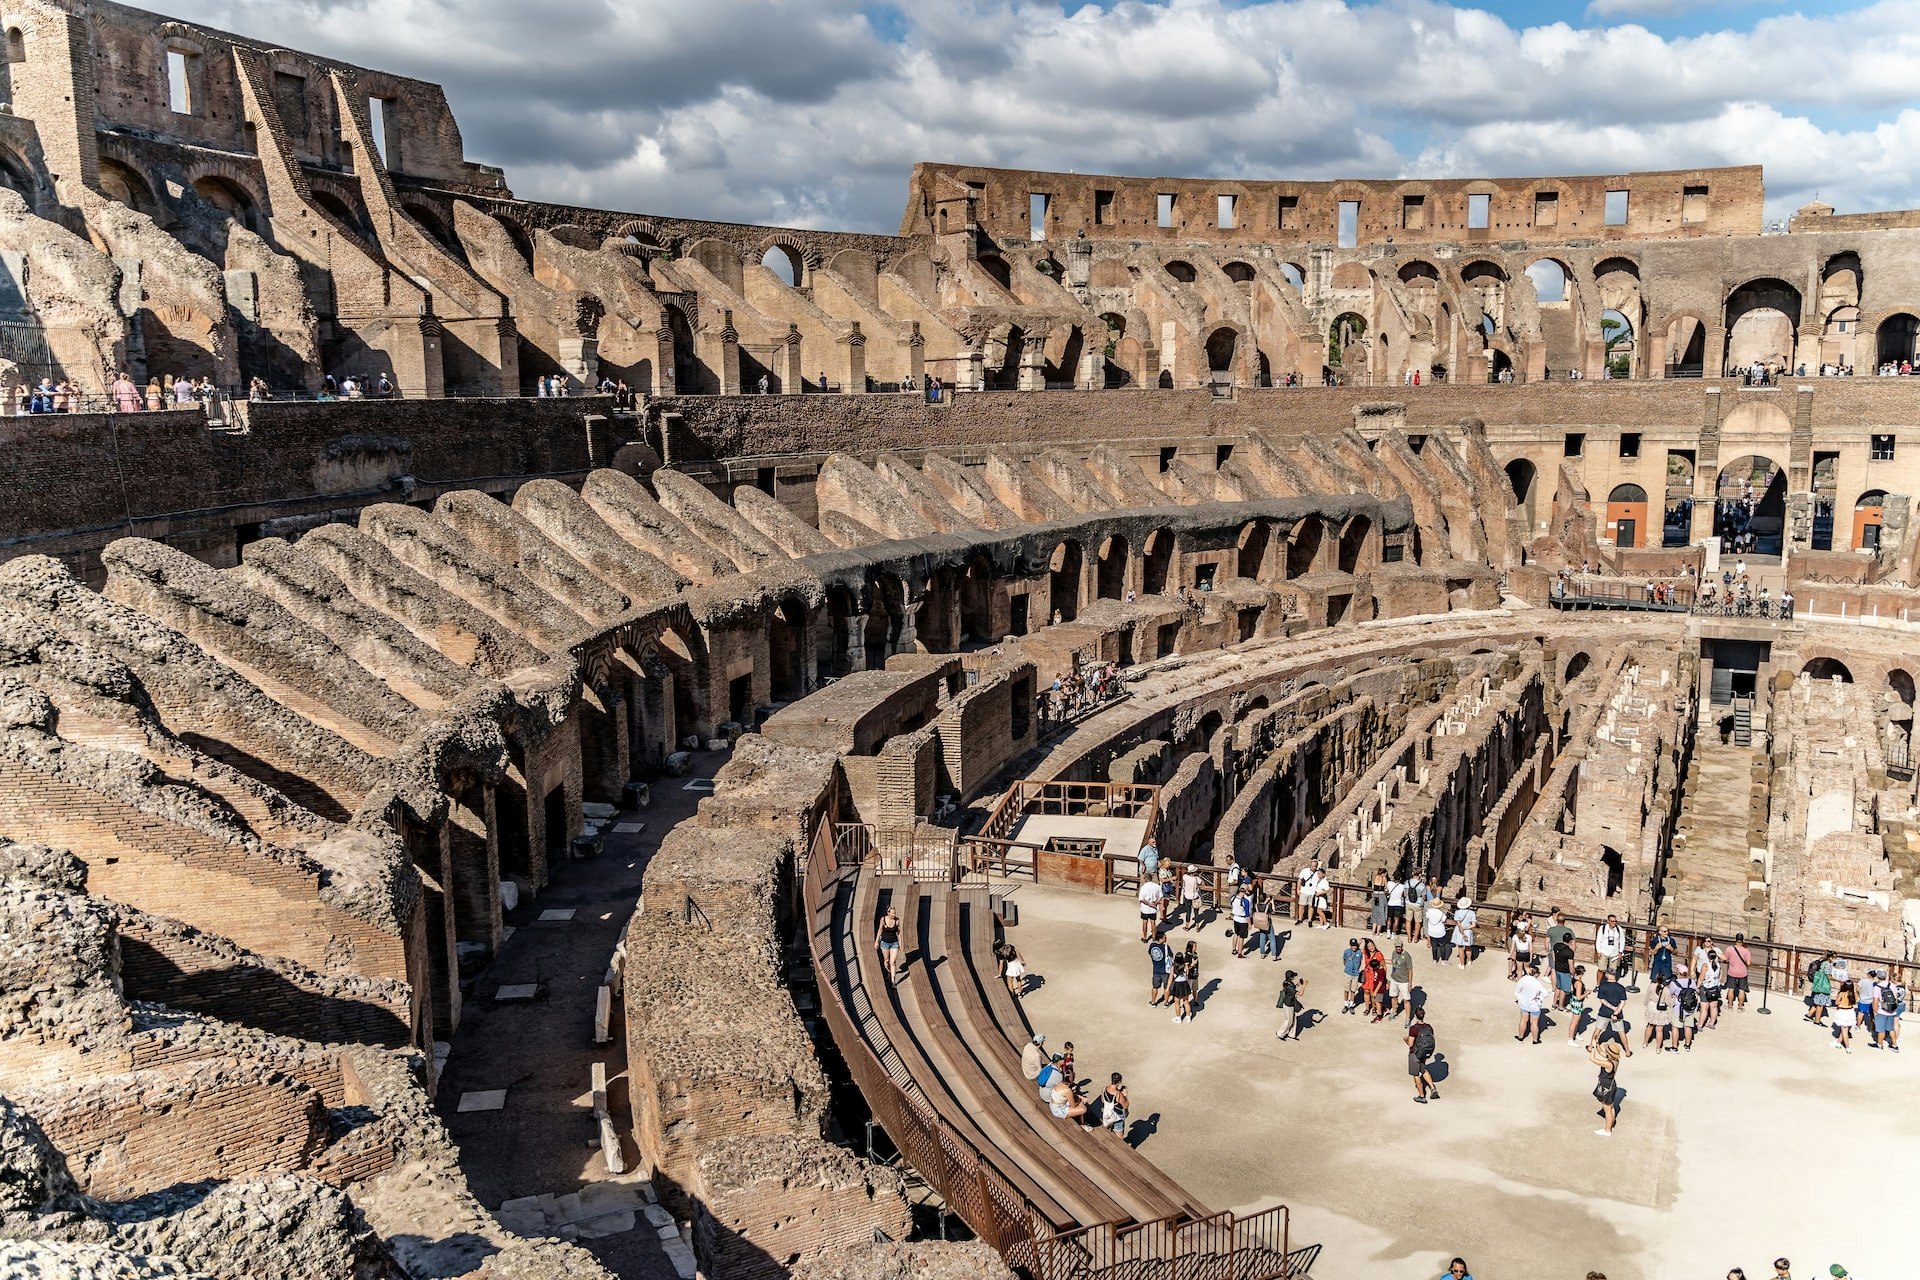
(123, 395)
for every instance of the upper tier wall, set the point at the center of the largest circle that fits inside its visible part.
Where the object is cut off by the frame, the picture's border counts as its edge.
(1678, 202)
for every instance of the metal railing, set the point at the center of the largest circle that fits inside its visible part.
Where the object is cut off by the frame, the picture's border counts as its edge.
(1222, 1245)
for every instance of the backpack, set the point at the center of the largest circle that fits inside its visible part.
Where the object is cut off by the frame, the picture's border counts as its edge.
(1423, 1042)
(1689, 1000)
(1888, 1001)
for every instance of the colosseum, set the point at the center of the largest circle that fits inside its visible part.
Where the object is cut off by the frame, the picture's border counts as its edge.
(457, 799)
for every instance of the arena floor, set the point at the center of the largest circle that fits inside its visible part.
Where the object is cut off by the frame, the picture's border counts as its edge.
(1761, 1141)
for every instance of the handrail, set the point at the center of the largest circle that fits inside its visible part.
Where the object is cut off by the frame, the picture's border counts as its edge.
(1251, 1247)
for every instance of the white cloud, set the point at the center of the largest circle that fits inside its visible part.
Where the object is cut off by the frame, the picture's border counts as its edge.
(801, 111)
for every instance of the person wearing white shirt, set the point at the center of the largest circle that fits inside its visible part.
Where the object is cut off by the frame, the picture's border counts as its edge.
(1396, 907)
(1437, 929)
(1464, 918)
(1530, 994)
(1303, 895)
(1149, 907)
(1610, 943)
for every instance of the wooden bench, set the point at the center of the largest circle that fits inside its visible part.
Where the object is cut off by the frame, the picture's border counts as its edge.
(999, 1031)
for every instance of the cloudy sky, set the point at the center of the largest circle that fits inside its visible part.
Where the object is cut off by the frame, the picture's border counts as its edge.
(812, 112)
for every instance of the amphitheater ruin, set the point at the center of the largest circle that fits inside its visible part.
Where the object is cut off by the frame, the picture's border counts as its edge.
(337, 733)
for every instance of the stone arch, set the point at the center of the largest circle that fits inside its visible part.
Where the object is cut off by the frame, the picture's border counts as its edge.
(1063, 580)
(1156, 566)
(1522, 480)
(231, 190)
(1353, 543)
(1418, 273)
(1869, 509)
(1222, 344)
(1897, 340)
(1550, 278)
(1900, 682)
(1110, 577)
(1685, 352)
(431, 221)
(1827, 668)
(1303, 546)
(1294, 274)
(1761, 318)
(787, 258)
(1240, 273)
(1181, 270)
(1251, 550)
(123, 181)
(1750, 499)
(1575, 668)
(517, 233)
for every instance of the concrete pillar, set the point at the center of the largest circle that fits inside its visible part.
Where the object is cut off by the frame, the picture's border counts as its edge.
(917, 356)
(729, 370)
(663, 362)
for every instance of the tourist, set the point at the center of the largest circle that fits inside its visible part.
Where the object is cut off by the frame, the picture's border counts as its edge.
(1114, 1107)
(1241, 910)
(1064, 1103)
(126, 396)
(1377, 911)
(1012, 968)
(1438, 923)
(1033, 1057)
(1560, 956)
(1064, 1061)
(1180, 988)
(1610, 946)
(1350, 965)
(1464, 919)
(1149, 859)
(1397, 906)
(1303, 894)
(1576, 1002)
(1819, 989)
(1782, 1269)
(1149, 907)
(1531, 995)
(1420, 1046)
(1846, 1013)
(1888, 1009)
(1739, 965)
(1519, 946)
(1606, 1090)
(1373, 981)
(1400, 977)
(1683, 995)
(764, 384)
(1660, 955)
(823, 379)
(1169, 894)
(1265, 931)
(1190, 896)
(1659, 1017)
(1610, 1022)
(1457, 1270)
(1322, 912)
(182, 390)
(257, 391)
(1711, 979)
(1159, 957)
(156, 398)
(1291, 985)
(890, 944)
(383, 387)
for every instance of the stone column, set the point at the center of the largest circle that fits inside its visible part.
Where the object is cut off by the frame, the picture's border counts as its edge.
(917, 356)
(856, 383)
(793, 369)
(729, 357)
(663, 362)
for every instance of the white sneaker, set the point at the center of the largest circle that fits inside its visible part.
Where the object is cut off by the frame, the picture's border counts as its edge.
(1176, 1017)
(1603, 1133)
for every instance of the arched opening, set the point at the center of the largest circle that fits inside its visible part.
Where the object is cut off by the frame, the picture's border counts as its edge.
(996, 266)
(1902, 685)
(229, 198)
(1063, 582)
(1181, 271)
(1008, 374)
(1120, 365)
(1750, 505)
(1353, 544)
(1761, 316)
(1158, 560)
(789, 267)
(1827, 669)
(353, 217)
(1303, 547)
(1549, 281)
(1240, 273)
(1616, 331)
(1868, 512)
(834, 657)
(1221, 345)
(522, 242)
(1627, 515)
(1111, 577)
(1615, 867)
(886, 619)
(1062, 367)
(787, 650)
(1488, 282)
(1346, 350)
(1500, 366)
(1897, 343)
(1521, 478)
(1686, 349)
(431, 223)
(1252, 547)
(976, 601)
(1576, 667)
(1293, 275)
(124, 183)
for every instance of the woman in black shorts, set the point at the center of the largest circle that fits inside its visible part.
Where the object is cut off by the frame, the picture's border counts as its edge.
(1181, 988)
